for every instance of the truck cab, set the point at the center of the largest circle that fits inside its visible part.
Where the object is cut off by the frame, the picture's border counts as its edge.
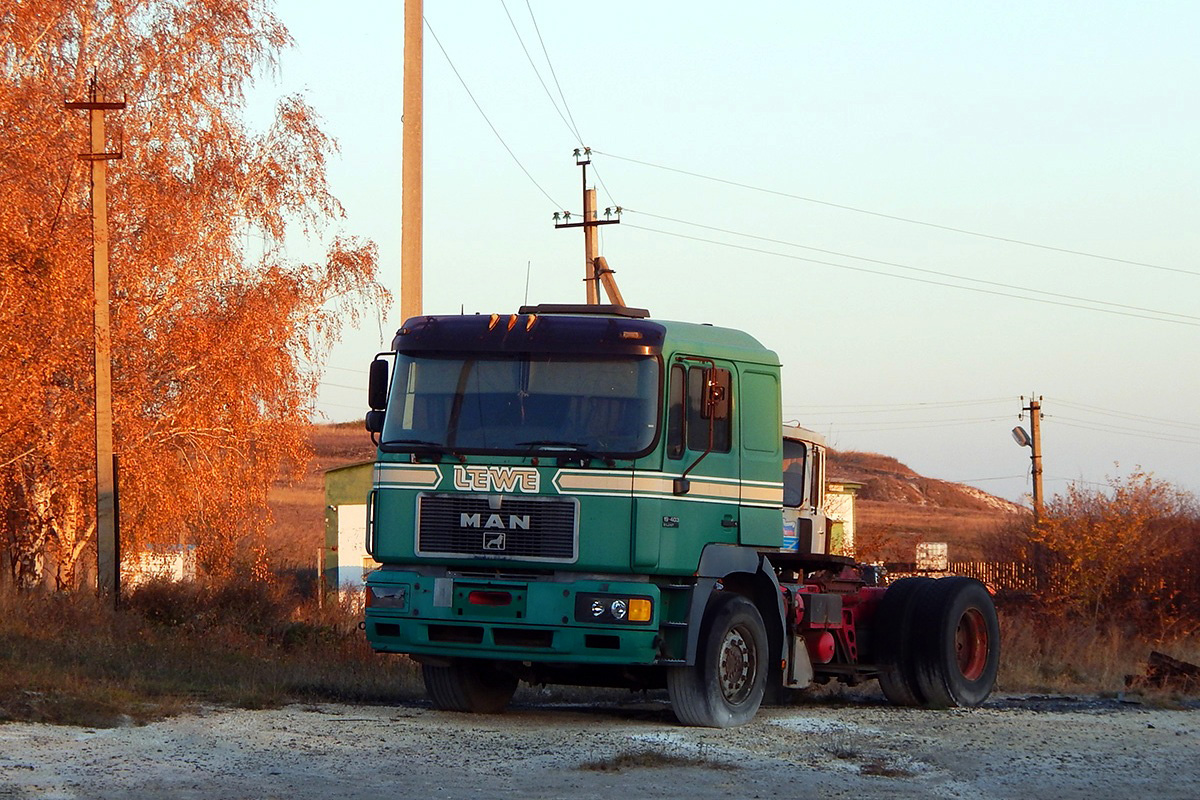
(585, 495)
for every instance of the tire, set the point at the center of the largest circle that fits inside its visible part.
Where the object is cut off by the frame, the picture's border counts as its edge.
(468, 685)
(725, 686)
(893, 635)
(958, 652)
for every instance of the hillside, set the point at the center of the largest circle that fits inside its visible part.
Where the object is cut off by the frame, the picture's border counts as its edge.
(897, 508)
(886, 480)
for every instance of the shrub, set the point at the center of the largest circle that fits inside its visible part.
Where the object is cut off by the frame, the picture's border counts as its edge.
(1122, 554)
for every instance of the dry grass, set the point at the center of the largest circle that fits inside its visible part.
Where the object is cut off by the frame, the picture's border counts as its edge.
(1038, 655)
(66, 659)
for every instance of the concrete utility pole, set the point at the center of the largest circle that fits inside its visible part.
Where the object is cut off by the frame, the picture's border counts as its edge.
(108, 565)
(1035, 433)
(1034, 442)
(411, 278)
(595, 268)
(591, 243)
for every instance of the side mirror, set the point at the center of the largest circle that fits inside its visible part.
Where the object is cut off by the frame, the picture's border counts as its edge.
(375, 421)
(716, 394)
(377, 385)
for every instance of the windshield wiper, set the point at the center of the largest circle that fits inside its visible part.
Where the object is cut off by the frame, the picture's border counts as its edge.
(400, 445)
(579, 450)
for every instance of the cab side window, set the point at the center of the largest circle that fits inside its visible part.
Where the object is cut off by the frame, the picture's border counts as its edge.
(686, 420)
(675, 413)
(795, 459)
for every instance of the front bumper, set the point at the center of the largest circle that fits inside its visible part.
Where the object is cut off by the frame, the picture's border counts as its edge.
(535, 621)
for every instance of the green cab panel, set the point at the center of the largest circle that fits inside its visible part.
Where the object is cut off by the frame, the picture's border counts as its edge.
(762, 459)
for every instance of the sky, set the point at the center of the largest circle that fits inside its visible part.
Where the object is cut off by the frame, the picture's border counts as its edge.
(825, 176)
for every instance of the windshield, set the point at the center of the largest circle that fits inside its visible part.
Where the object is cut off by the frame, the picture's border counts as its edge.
(523, 403)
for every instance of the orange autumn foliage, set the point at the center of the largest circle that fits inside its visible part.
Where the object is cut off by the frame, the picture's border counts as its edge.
(1125, 553)
(214, 325)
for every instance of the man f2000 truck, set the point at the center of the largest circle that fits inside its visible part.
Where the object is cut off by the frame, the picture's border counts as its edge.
(584, 495)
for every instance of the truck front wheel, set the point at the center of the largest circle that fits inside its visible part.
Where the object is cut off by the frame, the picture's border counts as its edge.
(468, 685)
(725, 686)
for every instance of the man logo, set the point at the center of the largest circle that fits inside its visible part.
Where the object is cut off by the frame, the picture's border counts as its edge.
(493, 541)
(515, 522)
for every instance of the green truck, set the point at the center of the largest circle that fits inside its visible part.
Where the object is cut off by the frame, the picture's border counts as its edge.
(584, 495)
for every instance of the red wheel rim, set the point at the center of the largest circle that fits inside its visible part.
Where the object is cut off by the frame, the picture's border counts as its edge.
(971, 644)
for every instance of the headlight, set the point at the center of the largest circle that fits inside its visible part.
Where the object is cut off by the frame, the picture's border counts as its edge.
(387, 596)
(619, 608)
(613, 608)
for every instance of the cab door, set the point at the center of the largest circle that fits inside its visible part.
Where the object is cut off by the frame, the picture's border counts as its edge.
(701, 459)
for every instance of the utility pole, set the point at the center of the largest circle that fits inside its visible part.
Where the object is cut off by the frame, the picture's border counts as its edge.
(591, 243)
(108, 566)
(1035, 444)
(596, 269)
(411, 211)
(1033, 440)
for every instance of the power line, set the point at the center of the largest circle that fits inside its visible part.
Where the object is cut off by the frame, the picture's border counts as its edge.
(1125, 415)
(916, 269)
(906, 405)
(908, 421)
(985, 480)
(539, 74)
(909, 220)
(1071, 422)
(485, 117)
(337, 405)
(915, 279)
(600, 180)
(915, 426)
(553, 74)
(339, 385)
(1080, 480)
(571, 126)
(347, 369)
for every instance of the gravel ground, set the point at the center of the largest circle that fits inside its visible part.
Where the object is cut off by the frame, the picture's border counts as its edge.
(1015, 747)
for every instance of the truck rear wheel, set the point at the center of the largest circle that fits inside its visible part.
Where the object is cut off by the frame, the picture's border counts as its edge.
(893, 633)
(725, 686)
(468, 685)
(958, 652)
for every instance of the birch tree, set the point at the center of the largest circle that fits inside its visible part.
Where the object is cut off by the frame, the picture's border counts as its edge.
(214, 326)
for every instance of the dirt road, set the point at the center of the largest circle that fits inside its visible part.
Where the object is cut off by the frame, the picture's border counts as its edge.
(1013, 748)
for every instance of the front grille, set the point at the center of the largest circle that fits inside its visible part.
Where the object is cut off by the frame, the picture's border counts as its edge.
(498, 526)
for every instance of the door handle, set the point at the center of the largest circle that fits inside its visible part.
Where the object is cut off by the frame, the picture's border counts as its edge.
(729, 522)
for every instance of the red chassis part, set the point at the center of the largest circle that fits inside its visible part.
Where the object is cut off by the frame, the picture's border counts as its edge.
(813, 612)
